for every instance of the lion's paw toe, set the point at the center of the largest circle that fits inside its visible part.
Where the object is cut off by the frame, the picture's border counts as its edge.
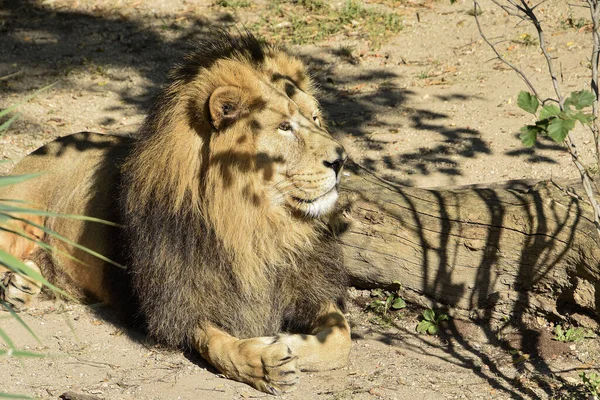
(17, 290)
(280, 368)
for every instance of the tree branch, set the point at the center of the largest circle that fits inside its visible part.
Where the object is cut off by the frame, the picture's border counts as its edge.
(498, 55)
(523, 11)
(594, 14)
(529, 12)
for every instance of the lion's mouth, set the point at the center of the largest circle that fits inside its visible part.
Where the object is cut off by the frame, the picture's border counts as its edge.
(305, 201)
(311, 201)
(319, 205)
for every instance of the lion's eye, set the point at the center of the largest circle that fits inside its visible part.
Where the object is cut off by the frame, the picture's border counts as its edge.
(316, 119)
(285, 126)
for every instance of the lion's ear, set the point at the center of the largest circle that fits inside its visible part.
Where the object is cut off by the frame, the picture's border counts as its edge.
(226, 105)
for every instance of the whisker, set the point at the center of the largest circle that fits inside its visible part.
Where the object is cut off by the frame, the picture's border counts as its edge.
(281, 192)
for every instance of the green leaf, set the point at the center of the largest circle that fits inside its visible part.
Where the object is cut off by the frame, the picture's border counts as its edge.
(581, 99)
(548, 111)
(529, 135)
(442, 317)
(542, 125)
(388, 302)
(558, 330)
(559, 128)
(423, 326)
(432, 330)
(584, 118)
(429, 315)
(398, 304)
(527, 102)
(376, 303)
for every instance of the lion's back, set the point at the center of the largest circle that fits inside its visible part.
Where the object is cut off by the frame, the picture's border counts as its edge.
(76, 175)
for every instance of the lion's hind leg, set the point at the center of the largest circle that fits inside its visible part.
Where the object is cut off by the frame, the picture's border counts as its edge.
(265, 363)
(19, 290)
(18, 238)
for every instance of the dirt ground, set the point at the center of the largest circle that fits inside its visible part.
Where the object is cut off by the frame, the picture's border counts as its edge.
(425, 106)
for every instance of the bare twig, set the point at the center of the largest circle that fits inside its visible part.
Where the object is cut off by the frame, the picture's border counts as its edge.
(3, 78)
(586, 180)
(570, 144)
(500, 57)
(523, 11)
(594, 11)
(529, 12)
(568, 191)
(78, 396)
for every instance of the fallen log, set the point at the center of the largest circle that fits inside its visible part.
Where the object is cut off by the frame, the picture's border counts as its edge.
(508, 252)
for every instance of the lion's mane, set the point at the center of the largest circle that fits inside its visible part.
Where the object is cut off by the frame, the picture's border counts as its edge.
(201, 247)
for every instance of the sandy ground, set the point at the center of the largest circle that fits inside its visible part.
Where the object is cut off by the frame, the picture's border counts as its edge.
(429, 107)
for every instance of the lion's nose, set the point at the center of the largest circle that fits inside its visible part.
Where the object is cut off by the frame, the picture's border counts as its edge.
(336, 165)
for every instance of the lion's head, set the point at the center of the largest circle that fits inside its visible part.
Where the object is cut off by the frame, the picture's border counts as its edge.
(239, 137)
(232, 172)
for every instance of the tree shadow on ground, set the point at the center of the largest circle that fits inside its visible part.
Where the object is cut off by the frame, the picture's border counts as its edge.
(47, 44)
(59, 43)
(114, 45)
(532, 154)
(360, 114)
(491, 253)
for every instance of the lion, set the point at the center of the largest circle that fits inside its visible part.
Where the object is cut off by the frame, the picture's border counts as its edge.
(221, 202)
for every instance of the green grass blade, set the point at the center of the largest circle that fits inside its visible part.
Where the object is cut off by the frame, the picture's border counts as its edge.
(43, 245)
(14, 179)
(32, 211)
(52, 249)
(21, 353)
(72, 243)
(31, 96)
(13, 396)
(8, 123)
(20, 320)
(71, 326)
(9, 76)
(16, 265)
(5, 336)
(6, 339)
(83, 248)
(11, 200)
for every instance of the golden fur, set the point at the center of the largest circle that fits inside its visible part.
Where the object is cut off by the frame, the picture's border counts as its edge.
(222, 198)
(224, 179)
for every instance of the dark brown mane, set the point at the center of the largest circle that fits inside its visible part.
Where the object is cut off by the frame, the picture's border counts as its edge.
(197, 252)
(220, 45)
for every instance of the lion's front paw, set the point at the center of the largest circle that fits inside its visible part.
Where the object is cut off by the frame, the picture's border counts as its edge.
(17, 290)
(271, 366)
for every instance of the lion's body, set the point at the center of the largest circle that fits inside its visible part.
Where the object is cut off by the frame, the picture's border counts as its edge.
(220, 198)
(79, 175)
